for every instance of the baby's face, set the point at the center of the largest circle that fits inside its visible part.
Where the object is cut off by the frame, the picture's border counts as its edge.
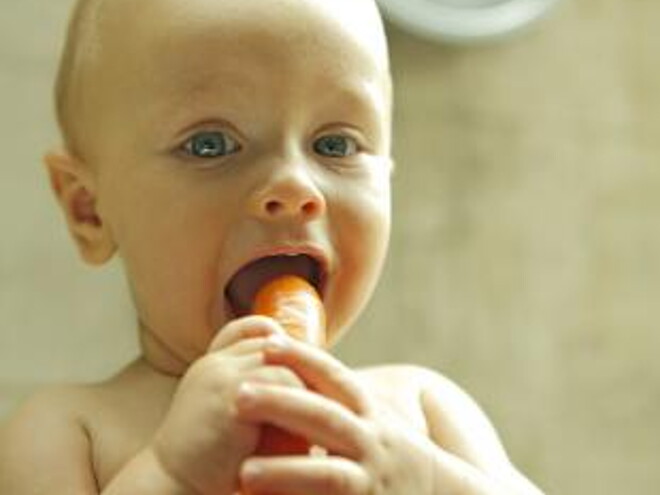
(227, 132)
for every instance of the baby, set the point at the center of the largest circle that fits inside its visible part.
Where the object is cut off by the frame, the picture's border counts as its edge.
(214, 145)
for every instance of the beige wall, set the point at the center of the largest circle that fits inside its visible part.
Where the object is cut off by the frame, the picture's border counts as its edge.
(526, 246)
(59, 320)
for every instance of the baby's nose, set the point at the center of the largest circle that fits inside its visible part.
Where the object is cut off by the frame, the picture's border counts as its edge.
(292, 194)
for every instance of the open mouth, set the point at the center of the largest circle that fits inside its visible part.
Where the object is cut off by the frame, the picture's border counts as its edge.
(244, 285)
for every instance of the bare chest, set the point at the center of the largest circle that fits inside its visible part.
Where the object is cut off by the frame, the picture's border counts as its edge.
(119, 435)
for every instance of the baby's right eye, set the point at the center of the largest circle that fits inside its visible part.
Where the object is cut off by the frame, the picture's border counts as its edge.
(211, 144)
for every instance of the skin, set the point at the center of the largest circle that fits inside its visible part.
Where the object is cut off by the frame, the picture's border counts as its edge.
(274, 78)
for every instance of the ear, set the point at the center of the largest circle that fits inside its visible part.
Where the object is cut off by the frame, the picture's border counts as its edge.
(74, 188)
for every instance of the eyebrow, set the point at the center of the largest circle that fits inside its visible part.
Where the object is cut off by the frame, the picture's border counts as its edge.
(190, 102)
(367, 102)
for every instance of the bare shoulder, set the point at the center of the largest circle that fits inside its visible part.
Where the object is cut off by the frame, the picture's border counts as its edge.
(75, 438)
(447, 408)
(430, 388)
(453, 420)
(398, 389)
(44, 446)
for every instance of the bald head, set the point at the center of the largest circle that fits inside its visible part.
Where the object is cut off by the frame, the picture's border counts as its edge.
(80, 48)
(102, 29)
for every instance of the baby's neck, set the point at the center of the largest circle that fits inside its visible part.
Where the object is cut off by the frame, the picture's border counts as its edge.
(159, 357)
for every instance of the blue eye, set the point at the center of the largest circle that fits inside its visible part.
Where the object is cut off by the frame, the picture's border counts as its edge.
(336, 146)
(211, 144)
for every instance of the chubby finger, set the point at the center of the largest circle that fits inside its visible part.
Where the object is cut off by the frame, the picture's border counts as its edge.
(323, 422)
(321, 371)
(269, 375)
(244, 328)
(304, 475)
(249, 345)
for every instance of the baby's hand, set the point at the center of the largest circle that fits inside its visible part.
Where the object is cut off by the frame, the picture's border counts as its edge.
(368, 451)
(202, 442)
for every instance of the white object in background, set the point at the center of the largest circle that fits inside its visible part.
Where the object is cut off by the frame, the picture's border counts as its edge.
(464, 21)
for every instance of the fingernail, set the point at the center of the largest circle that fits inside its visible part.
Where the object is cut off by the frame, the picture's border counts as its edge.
(246, 394)
(276, 343)
(251, 470)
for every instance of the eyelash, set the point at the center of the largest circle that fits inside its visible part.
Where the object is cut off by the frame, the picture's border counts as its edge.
(353, 145)
(229, 146)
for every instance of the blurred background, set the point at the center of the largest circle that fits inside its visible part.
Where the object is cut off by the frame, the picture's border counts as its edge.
(525, 259)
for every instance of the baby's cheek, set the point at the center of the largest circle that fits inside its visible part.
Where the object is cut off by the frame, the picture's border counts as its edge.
(362, 245)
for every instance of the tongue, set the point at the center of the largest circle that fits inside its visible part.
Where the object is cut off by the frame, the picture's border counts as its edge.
(244, 285)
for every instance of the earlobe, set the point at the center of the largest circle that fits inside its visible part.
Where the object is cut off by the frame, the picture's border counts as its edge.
(73, 185)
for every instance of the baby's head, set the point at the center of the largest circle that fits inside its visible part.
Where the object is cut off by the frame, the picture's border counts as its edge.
(213, 144)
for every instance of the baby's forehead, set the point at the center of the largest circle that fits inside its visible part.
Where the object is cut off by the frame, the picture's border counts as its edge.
(109, 38)
(117, 17)
(171, 36)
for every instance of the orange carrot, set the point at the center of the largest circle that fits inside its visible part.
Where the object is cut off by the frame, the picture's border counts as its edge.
(296, 305)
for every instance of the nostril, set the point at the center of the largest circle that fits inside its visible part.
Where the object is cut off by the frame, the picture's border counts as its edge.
(310, 208)
(273, 207)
